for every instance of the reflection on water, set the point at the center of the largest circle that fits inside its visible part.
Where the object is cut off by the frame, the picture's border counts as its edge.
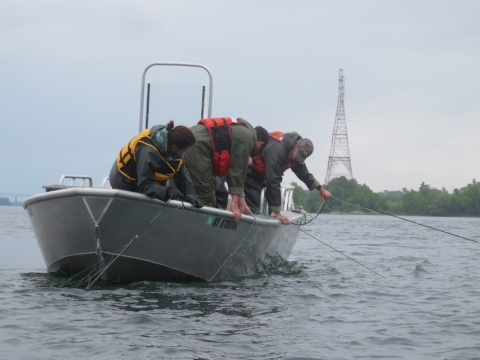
(197, 298)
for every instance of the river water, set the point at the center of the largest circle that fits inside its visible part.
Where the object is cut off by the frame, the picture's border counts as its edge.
(318, 305)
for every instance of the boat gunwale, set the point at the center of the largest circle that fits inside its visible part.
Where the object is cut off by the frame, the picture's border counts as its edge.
(142, 198)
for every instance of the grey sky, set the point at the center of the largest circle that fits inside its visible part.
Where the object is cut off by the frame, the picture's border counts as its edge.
(70, 76)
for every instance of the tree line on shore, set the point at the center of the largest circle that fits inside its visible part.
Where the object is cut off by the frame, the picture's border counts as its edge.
(5, 201)
(426, 201)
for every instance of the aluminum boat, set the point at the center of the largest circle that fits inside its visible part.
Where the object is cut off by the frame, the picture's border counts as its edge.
(124, 236)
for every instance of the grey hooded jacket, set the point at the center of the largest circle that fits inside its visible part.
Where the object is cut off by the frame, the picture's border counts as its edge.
(275, 155)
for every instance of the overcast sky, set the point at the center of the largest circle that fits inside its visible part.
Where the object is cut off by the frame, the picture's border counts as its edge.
(70, 79)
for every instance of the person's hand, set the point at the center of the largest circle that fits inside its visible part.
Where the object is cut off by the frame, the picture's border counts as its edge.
(237, 215)
(282, 218)
(173, 193)
(243, 207)
(324, 194)
(196, 203)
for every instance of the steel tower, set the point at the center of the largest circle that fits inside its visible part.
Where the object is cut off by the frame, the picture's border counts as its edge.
(339, 150)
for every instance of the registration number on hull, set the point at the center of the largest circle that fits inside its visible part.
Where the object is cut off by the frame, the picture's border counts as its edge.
(221, 223)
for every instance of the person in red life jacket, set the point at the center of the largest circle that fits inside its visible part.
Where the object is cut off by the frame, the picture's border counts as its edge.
(221, 192)
(152, 157)
(283, 152)
(223, 148)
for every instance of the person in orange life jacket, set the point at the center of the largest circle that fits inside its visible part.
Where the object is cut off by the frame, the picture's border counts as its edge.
(152, 157)
(223, 148)
(284, 151)
(221, 192)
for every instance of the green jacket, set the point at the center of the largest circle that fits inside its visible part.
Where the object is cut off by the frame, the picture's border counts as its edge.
(243, 142)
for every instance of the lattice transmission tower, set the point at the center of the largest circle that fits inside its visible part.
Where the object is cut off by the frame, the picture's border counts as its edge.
(339, 150)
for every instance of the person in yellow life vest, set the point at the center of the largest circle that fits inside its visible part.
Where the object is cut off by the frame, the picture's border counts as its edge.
(223, 149)
(283, 152)
(152, 157)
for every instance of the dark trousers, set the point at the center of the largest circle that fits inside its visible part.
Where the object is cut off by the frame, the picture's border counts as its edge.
(117, 182)
(254, 185)
(221, 193)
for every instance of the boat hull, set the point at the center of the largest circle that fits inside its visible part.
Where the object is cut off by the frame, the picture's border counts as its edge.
(130, 237)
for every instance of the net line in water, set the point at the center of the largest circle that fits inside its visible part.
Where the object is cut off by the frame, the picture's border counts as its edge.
(305, 222)
(401, 218)
(93, 273)
(344, 203)
(338, 251)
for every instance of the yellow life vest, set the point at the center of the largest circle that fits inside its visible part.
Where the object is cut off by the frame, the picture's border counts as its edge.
(127, 162)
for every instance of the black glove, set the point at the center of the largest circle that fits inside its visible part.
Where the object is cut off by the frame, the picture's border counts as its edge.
(173, 194)
(196, 203)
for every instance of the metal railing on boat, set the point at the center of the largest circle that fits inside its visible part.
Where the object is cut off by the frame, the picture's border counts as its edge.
(286, 200)
(286, 191)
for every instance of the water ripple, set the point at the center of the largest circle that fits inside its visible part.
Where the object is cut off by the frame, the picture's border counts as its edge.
(319, 304)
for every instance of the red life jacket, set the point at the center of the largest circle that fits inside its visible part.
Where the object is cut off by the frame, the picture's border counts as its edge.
(258, 162)
(221, 137)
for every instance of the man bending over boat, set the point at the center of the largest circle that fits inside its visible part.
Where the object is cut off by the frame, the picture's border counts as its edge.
(283, 152)
(152, 157)
(223, 148)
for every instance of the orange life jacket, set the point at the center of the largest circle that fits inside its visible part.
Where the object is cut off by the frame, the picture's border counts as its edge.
(258, 162)
(221, 138)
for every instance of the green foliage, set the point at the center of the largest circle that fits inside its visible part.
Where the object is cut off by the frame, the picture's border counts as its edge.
(351, 190)
(312, 202)
(299, 194)
(5, 202)
(429, 201)
(426, 201)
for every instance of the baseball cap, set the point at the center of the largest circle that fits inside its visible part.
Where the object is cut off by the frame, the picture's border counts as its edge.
(303, 150)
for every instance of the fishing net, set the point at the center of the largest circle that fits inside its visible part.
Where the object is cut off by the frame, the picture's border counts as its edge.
(226, 268)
